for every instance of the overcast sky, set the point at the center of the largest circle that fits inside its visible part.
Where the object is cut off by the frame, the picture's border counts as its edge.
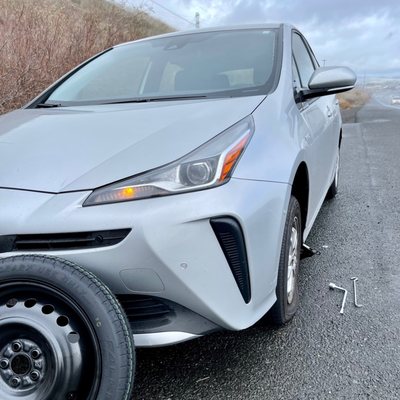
(363, 34)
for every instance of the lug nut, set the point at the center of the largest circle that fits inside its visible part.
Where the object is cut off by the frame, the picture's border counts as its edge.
(4, 363)
(35, 353)
(16, 347)
(15, 381)
(35, 375)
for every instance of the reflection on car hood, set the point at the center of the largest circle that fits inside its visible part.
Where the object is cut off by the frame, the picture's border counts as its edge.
(81, 148)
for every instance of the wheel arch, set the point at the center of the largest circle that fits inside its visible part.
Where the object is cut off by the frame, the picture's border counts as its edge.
(301, 190)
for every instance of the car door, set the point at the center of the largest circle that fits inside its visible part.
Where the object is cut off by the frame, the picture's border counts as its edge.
(318, 114)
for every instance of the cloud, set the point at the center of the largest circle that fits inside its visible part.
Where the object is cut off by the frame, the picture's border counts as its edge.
(363, 34)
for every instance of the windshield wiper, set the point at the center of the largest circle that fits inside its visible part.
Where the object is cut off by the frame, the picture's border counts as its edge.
(151, 99)
(48, 105)
(122, 101)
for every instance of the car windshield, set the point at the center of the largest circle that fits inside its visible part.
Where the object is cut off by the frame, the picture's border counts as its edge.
(208, 64)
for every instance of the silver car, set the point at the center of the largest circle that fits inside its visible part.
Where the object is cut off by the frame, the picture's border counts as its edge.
(165, 189)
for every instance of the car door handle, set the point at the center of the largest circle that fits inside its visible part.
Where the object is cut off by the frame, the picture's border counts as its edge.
(328, 112)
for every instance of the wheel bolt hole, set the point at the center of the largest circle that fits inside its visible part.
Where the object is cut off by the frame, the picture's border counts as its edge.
(73, 337)
(11, 303)
(47, 309)
(35, 353)
(15, 381)
(62, 320)
(35, 375)
(30, 303)
(16, 347)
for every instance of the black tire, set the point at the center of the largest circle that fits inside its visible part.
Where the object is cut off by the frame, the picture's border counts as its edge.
(333, 189)
(286, 304)
(63, 333)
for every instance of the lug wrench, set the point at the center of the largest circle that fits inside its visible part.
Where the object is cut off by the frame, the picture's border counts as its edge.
(333, 286)
(354, 279)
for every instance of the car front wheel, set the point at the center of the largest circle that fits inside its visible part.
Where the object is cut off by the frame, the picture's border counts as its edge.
(63, 334)
(287, 286)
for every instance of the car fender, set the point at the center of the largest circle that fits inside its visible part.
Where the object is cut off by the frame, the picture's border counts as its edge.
(278, 145)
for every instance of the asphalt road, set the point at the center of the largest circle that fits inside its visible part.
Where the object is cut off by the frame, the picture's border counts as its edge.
(320, 354)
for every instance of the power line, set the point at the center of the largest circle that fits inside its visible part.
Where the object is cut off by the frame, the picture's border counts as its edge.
(201, 8)
(173, 13)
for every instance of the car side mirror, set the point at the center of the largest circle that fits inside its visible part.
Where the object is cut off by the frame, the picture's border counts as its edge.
(329, 80)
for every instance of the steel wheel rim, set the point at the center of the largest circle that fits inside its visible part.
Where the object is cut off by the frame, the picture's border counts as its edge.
(293, 260)
(46, 346)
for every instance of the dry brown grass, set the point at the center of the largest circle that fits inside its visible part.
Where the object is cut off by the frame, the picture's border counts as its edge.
(43, 39)
(353, 99)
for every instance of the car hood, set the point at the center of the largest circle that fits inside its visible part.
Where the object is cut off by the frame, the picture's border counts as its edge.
(81, 148)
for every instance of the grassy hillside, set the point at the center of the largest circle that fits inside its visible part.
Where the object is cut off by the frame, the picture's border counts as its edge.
(43, 39)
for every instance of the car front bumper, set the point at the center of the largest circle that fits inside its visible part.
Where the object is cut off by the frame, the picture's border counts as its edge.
(172, 251)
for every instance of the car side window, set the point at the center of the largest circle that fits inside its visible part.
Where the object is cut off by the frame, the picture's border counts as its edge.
(303, 60)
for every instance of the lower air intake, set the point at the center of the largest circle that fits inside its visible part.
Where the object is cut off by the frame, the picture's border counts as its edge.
(145, 311)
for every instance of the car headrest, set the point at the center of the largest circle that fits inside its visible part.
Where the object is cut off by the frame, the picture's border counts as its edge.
(193, 80)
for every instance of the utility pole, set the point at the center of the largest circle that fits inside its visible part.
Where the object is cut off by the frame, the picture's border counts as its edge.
(197, 16)
(324, 61)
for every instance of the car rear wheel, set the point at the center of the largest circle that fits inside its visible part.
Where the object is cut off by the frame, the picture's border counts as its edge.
(63, 334)
(287, 286)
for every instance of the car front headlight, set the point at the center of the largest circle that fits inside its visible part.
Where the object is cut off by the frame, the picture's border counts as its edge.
(208, 166)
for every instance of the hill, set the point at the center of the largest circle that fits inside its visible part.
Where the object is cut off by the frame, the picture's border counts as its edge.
(42, 40)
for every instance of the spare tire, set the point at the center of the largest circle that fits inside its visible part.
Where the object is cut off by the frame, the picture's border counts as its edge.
(63, 334)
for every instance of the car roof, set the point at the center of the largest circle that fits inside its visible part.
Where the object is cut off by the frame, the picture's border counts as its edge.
(212, 29)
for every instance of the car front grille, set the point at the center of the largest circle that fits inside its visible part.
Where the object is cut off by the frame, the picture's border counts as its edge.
(62, 241)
